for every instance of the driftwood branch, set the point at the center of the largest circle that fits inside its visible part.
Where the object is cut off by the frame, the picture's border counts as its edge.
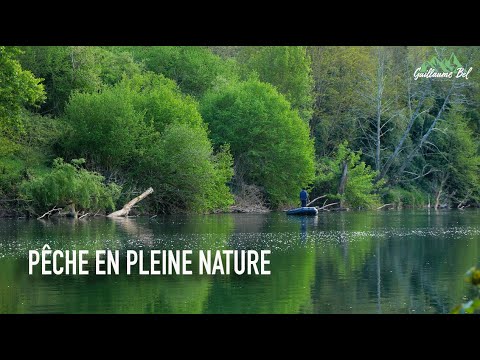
(81, 217)
(48, 213)
(381, 207)
(128, 206)
(320, 197)
(325, 206)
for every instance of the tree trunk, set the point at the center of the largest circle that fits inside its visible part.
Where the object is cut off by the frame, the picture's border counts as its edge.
(128, 206)
(343, 181)
(437, 198)
(399, 146)
(439, 191)
(380, 87)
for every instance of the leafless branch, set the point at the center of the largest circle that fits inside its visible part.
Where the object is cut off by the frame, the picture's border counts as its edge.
(50, 212)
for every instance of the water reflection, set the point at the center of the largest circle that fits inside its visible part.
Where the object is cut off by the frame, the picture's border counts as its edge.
(305, 224)
(303, 230)
(381, 262)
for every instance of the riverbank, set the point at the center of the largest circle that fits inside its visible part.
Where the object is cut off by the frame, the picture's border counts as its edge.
(234, 209)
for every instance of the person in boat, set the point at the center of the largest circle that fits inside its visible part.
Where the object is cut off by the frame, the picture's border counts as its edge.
(303, 197)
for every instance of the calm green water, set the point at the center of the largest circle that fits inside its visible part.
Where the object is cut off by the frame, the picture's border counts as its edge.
(350, 262)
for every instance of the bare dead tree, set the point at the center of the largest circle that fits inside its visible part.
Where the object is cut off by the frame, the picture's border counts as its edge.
(423, 93)
(424, 138)
(418, 93)
(439, 189)
(375, 119)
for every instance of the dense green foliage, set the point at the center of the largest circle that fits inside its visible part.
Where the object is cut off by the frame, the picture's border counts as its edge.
(70, 185)
(29, 154)
(146, 129)
(18, 88)
(202, 124)
(399, 197)
(456, 161)
(194, 69)
(288, 68)
(75, 68)
(360, 189)
(269, 141)
(337, 71)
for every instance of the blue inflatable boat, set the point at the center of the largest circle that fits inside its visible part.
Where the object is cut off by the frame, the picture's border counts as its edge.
(303, 211)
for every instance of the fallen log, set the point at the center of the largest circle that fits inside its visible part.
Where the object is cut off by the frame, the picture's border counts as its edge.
(50, 212)
(381, 207)
(128, 206)
(325, 206)
(320, 197)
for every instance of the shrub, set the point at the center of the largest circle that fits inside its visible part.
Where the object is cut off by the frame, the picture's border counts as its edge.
(360, 188)
(70, 185)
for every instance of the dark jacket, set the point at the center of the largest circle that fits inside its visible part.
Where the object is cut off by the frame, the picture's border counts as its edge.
(303, 195)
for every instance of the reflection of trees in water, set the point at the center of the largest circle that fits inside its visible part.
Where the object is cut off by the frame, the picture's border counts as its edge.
(251, 223)
(417, 263)
(111, 294)
(394, 270)
(340, 261)
(380, 268)
(134, 229)
(287, 289)
(10, 287)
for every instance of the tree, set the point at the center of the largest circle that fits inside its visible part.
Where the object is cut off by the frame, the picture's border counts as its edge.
(288, 68)
(455, 161)
(338, 72)
(428, 102)
(184, 171)
(146, 130)
(105, 128)
(347, 179)
(70, 185)
(379, 113)
(18, 88)
(195, 69)
(76, 68)
(269, 142)
(64, 68)
(114, 65)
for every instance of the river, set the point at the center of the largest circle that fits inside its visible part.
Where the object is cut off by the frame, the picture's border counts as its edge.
(410, 261)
